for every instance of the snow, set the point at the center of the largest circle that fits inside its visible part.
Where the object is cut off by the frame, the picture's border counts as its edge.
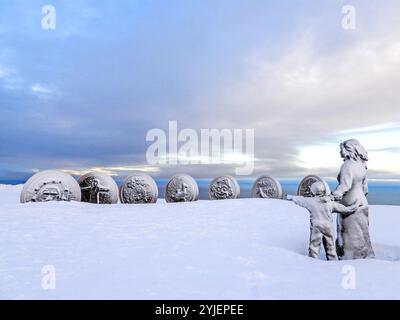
(232, 249)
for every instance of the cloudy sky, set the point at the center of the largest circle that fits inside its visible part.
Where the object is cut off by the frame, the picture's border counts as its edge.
(84, 96)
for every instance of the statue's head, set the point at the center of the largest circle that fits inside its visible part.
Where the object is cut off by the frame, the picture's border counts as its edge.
(318, 189)
(352, 149)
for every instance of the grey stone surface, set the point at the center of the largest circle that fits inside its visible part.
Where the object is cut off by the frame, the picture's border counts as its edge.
(50, 185)
(182, 188)
(353, 231)
(139, 188)
(305, 185)
(224, 187)
(267, 187)
(98, 188)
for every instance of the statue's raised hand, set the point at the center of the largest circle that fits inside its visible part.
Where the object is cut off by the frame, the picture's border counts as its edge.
(337, 196)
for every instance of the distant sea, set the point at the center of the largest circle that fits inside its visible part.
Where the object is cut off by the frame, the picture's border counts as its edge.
(380, 192)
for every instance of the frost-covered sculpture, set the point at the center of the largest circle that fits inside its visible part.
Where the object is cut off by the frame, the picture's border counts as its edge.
(321, 208)
(98, 188)
(50, 185)
(224, 187)
(305, 184)
(353, 231)
(139, 188)
(267, 187)
(182, 188)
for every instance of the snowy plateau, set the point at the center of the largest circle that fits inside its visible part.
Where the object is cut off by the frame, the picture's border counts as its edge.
(232, 249)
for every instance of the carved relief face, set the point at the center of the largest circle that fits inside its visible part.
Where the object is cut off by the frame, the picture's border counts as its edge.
(139, 189)
(50, 185)
(223, 188)
(181, 188)
(137, 192)
(267, 188)
(94, 190)
(140, 195)
(181, 192)
(51, 192)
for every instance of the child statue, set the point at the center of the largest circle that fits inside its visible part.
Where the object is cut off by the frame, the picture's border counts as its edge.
(321, 208)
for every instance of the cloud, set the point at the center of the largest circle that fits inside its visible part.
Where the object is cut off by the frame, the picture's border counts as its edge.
(300, 81)
(38, 89)
(381, 141)
(44, 92)
(305, 98)
(3, 72)
(114, 171)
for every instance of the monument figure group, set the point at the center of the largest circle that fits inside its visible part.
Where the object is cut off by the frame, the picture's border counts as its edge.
(353, 231)
(348, 200)
(321, 207)
(353, 240)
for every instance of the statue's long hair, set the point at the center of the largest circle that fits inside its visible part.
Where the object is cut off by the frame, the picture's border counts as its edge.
(353, 149)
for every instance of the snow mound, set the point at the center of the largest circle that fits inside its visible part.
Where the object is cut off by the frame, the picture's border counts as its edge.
(233, 249)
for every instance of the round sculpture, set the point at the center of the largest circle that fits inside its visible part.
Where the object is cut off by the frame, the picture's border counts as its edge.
(98, 188)
(267, 187)
(138, 189)
(224, 187)
(50, 185)
(353, 240)
(307, 182)
(182, 188)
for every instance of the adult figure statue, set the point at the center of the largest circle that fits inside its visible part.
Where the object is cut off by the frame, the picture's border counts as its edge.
(353, 240)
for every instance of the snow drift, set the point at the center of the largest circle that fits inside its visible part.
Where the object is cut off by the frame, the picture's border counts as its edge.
(232, 249)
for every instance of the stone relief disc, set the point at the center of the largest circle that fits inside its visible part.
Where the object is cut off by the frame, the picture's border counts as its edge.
(305, 184)
(98, 188)
(224, 187)
(50, 185)
(267, 187)
(139, 188)
(182, 188)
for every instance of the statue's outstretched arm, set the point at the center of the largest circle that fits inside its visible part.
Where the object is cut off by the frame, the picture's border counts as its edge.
(341, 209)
(299, 200)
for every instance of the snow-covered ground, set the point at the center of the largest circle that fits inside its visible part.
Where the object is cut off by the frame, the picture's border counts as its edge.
(235, 249)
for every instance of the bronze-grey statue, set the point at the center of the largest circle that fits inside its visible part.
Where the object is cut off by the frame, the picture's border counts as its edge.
(98, 188)
(139, 188)
(321, 208)
(353, 231)
(267, 187)
(182, 188)
(224, 187)
(50, 185)
(305, 184)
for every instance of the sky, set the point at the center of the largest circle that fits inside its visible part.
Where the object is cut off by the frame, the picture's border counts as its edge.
(83, 96)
